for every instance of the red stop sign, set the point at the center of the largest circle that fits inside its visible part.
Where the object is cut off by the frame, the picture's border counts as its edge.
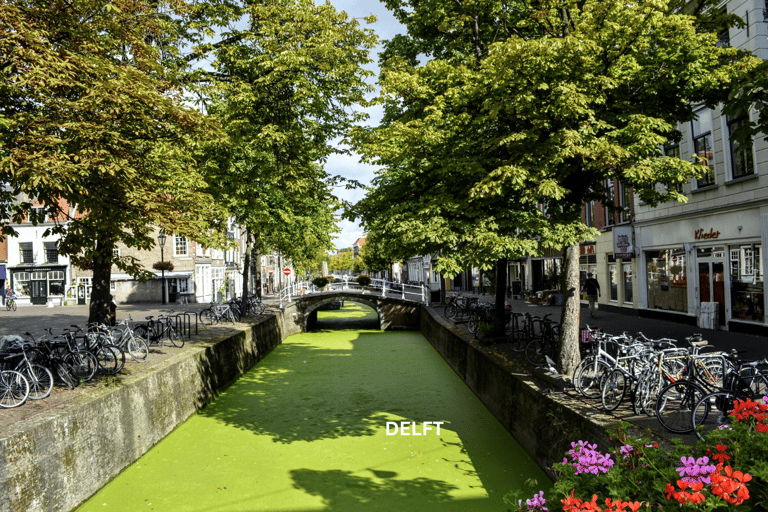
(287, 271)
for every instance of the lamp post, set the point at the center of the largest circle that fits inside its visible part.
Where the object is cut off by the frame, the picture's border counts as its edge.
(161, 242)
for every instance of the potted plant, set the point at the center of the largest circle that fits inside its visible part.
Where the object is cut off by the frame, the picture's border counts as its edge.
(363, 280)
(163, 265)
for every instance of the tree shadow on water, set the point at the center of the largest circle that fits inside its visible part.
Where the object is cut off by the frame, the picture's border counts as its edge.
(344, 491)
(308, 392)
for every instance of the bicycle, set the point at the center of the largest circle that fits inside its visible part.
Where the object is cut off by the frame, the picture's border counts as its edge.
(10, 303)
(156, 331)
(128, 341)
(39, 377)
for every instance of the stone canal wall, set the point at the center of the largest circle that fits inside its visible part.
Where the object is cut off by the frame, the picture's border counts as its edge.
(525, 406)
(59, 459)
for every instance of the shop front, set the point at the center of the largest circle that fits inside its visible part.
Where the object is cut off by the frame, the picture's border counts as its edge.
(39, 285)
(713, 274)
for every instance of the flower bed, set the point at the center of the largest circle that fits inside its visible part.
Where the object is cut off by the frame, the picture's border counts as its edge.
(727, 470)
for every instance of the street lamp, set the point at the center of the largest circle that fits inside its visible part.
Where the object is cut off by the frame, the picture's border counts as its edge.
(161, 242)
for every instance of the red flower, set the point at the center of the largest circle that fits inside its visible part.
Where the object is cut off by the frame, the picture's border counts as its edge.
(762, 428)
(682, 496)
(721, 457)
(731, 486)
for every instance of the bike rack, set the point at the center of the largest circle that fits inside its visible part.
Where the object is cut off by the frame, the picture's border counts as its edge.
(184, 323)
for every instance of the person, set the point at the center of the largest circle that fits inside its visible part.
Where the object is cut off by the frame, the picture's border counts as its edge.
(8, 293)
(592, 289)
(112, 311)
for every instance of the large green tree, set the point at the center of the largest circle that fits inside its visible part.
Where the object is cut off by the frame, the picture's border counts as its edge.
(89, 115)
(521, 114)
(284, 86)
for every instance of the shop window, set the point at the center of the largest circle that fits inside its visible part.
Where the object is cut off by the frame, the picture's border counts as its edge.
(613, 280)
(627, 269)
(56, 282)
(747, 289)
(183, 286)
(21, 283)
(742, 161)
(667, 280)
(703, 148)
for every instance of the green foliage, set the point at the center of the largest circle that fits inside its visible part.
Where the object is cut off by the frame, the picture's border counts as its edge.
(342, 260)
(363, 280)
(90, 117)
(320, 282)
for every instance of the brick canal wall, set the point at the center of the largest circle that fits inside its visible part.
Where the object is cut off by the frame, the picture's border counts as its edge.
(58, 460)
(544, 423)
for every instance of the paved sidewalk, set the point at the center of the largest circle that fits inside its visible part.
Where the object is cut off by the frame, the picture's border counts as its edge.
(749, 346)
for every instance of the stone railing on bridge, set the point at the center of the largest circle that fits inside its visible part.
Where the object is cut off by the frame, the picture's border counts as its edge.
(416, 293)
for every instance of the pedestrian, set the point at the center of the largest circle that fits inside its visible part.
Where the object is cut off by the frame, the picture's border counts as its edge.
(592, 289)
(112, 311)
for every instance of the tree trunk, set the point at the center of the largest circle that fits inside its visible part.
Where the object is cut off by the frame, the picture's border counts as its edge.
(499, 322)
(569, 356)
(246, 270)
(102, 276)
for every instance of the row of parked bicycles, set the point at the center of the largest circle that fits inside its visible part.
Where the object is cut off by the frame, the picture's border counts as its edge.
(30, 366)
(536, 337)
(689, 389)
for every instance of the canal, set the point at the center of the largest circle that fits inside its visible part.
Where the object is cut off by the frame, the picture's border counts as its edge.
(336, 420)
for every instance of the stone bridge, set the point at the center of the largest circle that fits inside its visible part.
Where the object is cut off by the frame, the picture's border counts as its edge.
(394, 313)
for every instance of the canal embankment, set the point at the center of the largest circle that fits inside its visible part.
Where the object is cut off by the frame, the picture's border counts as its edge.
(55, 461)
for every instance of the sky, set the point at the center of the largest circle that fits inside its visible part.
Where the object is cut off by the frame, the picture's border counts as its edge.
(349, 166)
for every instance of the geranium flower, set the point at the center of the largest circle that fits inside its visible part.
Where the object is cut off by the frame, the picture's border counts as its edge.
(731, 486)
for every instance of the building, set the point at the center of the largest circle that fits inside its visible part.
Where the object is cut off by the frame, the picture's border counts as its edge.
(682, 261)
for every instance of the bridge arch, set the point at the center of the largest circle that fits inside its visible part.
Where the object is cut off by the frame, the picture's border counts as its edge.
(393, 313)
(310, 313)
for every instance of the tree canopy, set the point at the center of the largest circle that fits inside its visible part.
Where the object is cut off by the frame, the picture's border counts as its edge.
(88, 115)
(521, 113)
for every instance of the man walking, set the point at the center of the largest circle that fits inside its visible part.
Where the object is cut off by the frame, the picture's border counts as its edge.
(592, 289)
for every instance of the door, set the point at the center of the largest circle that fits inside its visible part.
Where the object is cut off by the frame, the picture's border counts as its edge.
(38, 292)
(712, 285)
(172, 291)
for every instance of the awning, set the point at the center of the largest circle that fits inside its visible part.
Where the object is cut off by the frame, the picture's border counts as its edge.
(158, 275)
(2, 272)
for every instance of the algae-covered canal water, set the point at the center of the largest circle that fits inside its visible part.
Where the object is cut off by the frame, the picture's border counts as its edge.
(306, 430)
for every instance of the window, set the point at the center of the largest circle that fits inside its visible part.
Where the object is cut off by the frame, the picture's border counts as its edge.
(627, 269)
(56, 282)
(613, 280)
(625, 203)
(180, 245)
(21, 283)
(742, 162)
(116, 252)
(37, 214)
(183, 286)
(589, 213)
(672, 150)
(26, 256)
(747, 289)
(667, 280)
(51, 252)
(112, 285)
(610, 218)
(702, 146)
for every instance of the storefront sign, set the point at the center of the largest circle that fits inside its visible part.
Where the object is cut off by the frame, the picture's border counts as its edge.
(700, 234)
(623, 248)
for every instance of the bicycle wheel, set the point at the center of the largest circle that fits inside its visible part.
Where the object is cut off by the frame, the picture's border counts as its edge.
(537, 352)
(173, 335)
(588, 375)
(451, 311)
(7, 305)
(142, 331)
(614, 389)
(675, 404)
(66, 373)
(13, 305)
(206, 316)
(137, 347)
(14, 389)
(40, 380)
(110, 359)
(83, 364)
(711, 412)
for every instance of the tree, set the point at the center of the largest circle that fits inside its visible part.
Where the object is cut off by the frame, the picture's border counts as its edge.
(283, 88)
(89, 116)
(523, 112)
(341, 261)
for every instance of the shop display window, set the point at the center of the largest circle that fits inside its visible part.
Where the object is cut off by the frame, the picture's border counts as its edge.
(613, 279)
(667, 280)
(747, 289)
